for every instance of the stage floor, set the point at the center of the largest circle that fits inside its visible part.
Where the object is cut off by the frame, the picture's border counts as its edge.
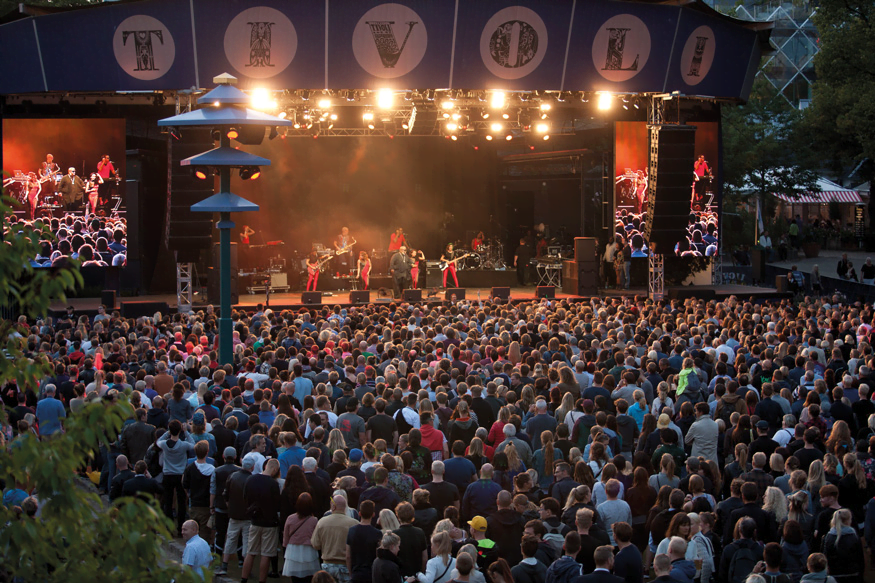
(292, 300)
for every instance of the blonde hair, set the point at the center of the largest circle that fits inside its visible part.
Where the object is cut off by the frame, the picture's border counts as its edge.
(854, 467)
(667, 465)
(443, 546)
(839, 519)
(775, 502)
(549, 453)
(388, 521)
(335, 441)
(513, 458)
(816, 476)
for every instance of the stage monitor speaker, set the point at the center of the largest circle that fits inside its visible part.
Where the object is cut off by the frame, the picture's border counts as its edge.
(588, 271)
(781, 282)
(361, 296)
(107, 298)
(213, 276)
(584, 249)
(545, 291)
(501, 293)
(433, 276)
(412, 295)
(459, 292)
(136, 309)
(279, 280)
(672, 154)
(311, 298)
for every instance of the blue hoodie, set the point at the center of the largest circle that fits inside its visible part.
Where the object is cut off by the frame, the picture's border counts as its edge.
(683, 571)
(175, 453)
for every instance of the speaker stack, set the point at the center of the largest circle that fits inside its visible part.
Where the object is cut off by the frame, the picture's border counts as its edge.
(214, 278)
(672, 154)
(581, 276)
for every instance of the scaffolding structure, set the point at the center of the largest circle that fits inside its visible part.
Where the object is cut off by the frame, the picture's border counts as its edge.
(655, 277)
(184, 289)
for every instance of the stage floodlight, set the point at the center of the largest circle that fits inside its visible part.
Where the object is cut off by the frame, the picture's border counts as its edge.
(216, 135)
(542, 128)
(488, 137)
(508, 136)
(497, 99)
(496, 127)
(447, 104)
(233, 134)
(200, 172)
(385, 98)
(324, 103)
(605, 101)
(452, 126)
(250, 173)
(261, 99)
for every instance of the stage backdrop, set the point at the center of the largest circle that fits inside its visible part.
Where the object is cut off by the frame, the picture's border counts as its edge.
(631, 157)
(576, 45)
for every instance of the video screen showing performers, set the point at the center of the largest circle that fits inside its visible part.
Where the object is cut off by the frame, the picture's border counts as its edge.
(631, 181)
(69, 173)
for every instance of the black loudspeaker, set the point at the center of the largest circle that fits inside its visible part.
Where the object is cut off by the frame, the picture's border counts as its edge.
(143, 308)
(587, 271)
(670, 183)
(501, 293)
(584, 249)
(545, 291)
(433, 276)
(107, 298)
(311, 298)
(213, 281)
(412, 295)
(359, 296)
(459, 292)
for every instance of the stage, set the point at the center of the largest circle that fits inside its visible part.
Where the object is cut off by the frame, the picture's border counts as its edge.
(149, 304)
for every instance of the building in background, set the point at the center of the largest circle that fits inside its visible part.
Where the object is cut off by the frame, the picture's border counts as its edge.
(790, 69)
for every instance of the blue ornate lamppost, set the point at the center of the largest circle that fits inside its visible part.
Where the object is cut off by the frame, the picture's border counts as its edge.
(223, 109)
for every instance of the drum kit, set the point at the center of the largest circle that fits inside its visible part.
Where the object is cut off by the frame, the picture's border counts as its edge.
(489, 255)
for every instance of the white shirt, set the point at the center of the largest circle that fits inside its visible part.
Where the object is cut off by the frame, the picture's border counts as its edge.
(259, 461)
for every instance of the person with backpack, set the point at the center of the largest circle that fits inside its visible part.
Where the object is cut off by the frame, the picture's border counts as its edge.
(557, 531)
(689, 385)
(742, 555)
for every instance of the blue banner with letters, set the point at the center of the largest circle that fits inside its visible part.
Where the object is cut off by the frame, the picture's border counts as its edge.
(571, 45)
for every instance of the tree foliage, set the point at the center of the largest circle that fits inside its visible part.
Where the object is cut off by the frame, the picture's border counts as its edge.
(762, 150)
(76, 538)
(840, 122)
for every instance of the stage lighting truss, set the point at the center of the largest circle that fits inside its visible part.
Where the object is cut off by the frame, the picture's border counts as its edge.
(250, 173)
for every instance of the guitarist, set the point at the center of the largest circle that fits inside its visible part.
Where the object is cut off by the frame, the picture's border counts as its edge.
(343, 247)
(450, 257)
(313, 267)
(48, 170)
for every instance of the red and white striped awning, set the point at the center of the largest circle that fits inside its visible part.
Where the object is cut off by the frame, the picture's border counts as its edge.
(823, 197)
(828, 191)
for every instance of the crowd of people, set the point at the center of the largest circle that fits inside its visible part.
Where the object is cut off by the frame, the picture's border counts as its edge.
(548, 441)
(96, 241)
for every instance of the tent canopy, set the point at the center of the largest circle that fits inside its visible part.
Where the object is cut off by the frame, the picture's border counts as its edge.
(827, 191)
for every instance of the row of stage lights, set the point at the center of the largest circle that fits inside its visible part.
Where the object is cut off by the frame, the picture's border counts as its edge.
(530, 110)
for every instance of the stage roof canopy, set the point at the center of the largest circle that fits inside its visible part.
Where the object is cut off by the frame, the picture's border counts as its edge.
(525, 45)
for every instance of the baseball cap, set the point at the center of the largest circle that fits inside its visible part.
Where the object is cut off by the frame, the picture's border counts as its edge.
(248, 463)
(229, 452)
(762, 424)
(478, 523)
(355, 455)
(663, 421)
(198, 418)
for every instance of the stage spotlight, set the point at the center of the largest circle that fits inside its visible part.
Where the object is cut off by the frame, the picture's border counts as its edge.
(273, 133)
(446, 115)
(605, 100)
(216, 104)
(385, 98)
(283, 115)
(508, 136)
(200, 172)
(488, 138)
(456, 116)
(454, 137)
(324, 103)
(496, 127)
(368, 116)
(351, 95)
(333, 117)
(497, 99)
(484, 114)
(261, 99)
(505, 115)
(452, 127)
(250, 173)
(542, 128)
(429, 95)
(545, 106)
(233, 134)
(216, 135)
(546, 137)
(305, 95)
(447, 104)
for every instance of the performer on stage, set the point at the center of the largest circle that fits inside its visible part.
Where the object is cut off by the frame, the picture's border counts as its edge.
(343, 246)
(399, 269)
(702, 175)
(246, 234)
(521, 258)
(48, 171)
(106, 170)
(449, 255)
(312, 271)
(73, 190)
(92, 190)
(363, 268)
(397, 239)
(641, 189)
(477, 242)
(33, 189)
(415, 257)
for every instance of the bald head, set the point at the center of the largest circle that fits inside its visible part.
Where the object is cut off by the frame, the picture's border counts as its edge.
(505, 499)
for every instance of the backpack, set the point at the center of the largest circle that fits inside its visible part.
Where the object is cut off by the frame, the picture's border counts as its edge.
(151, 459)
(401, 422)
(554, 537)
(742, 564)
(693, 390)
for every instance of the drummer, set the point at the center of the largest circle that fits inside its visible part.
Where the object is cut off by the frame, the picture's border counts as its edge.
(477, 242)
